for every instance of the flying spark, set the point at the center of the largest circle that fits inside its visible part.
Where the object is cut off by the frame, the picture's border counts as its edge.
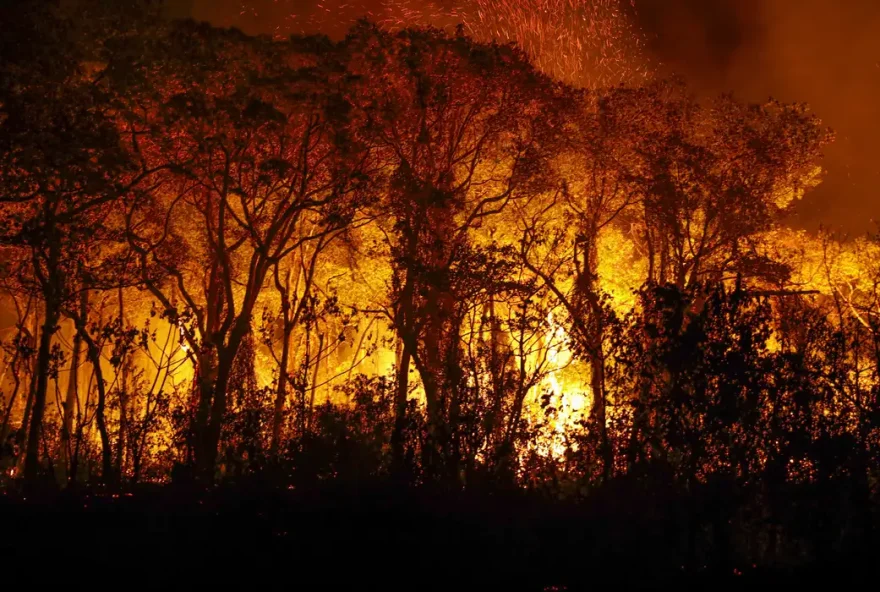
(588, 43)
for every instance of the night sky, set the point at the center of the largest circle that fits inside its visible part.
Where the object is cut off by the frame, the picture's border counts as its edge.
(822, 52)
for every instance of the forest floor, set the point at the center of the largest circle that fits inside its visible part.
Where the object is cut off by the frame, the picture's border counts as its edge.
(333, 536)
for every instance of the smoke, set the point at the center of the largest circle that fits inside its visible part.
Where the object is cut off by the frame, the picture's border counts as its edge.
(697, 38)
(822, 52)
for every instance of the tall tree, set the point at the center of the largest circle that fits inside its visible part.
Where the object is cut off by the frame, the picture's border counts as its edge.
(260, 161)
(458, 127)
(716, 175)
(62, 166)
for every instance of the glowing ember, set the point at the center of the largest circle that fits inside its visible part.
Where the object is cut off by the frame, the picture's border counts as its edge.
(590, 43)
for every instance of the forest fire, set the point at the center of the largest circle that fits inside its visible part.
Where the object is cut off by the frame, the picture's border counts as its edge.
(432, 258)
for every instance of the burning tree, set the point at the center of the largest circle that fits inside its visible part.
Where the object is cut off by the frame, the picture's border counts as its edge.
(458, 140)
(715, 176)
(259, 157)
(64, 171)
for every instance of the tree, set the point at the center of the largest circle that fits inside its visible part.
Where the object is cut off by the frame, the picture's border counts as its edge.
(459, 139)
(260, 161)
(715, 176)
(559, 237)
(62, 166)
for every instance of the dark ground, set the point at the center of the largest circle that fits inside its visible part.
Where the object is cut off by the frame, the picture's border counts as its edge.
(367, 537)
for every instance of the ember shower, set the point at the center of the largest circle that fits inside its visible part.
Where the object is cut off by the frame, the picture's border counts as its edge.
(423, 253)
(584, 42)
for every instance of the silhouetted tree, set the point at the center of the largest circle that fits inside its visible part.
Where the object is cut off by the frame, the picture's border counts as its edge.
(459, 136)
(63, 167)
(260, 162)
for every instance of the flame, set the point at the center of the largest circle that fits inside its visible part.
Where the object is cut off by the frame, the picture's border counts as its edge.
(569, 398)
(184, 345)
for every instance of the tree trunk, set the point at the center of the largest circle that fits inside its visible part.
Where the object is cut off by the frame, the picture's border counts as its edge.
(123, 399)
(403, 320)
(281, 391)
(439, 372)
(207, 379)
(21, 434)
(100, 412)
(44, 353)
(590, 303)
(72, 392)
(434, 445)
(7, 415)
(213, 429)
(122, 432)
(100, 417)
(400, 399)
(499, 361)
(94, 354)
(598, 412)
(314, 384)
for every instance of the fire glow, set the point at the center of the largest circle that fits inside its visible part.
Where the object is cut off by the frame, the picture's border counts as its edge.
(473, 246)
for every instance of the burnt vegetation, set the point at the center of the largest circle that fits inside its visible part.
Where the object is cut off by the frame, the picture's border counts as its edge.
(402, 297)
